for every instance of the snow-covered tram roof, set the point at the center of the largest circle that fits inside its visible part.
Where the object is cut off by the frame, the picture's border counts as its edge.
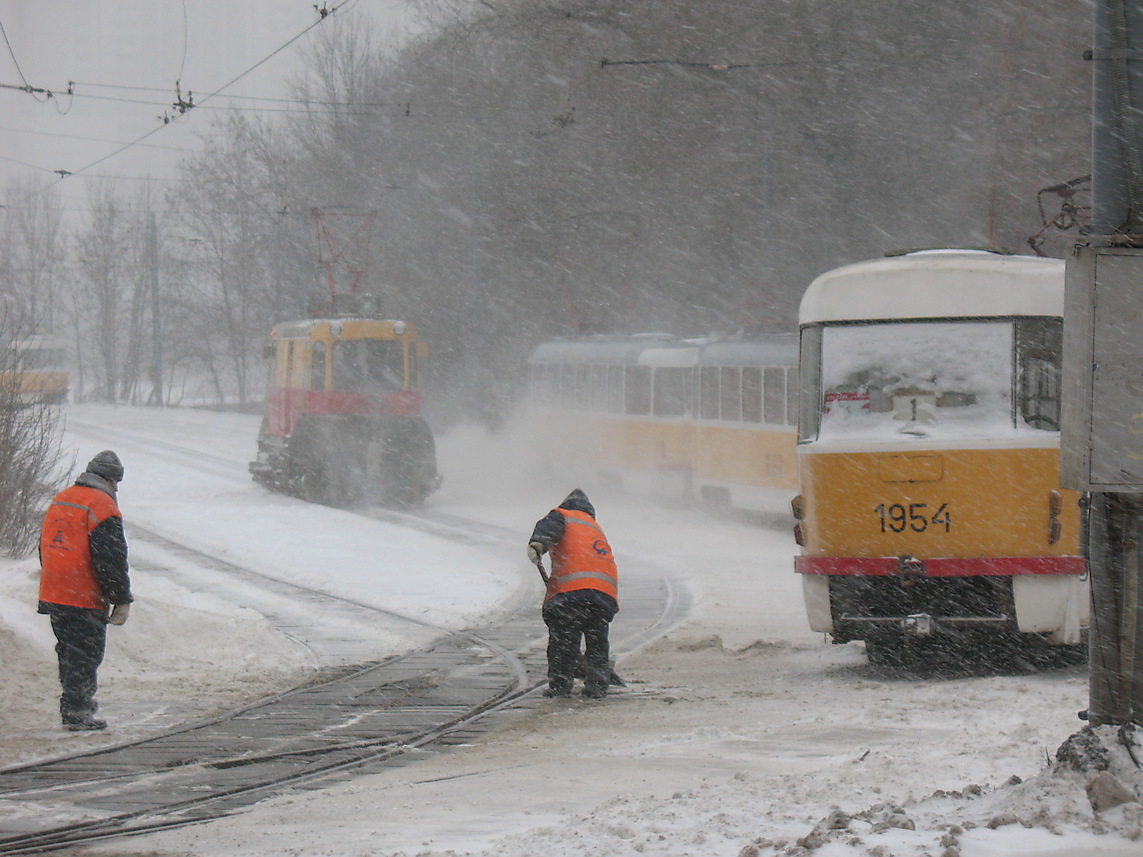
(600, 349)
(663, 350)
(778, 349)
(348, 328)
(937, 284)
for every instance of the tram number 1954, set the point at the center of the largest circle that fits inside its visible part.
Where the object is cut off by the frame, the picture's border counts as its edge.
(898, 517)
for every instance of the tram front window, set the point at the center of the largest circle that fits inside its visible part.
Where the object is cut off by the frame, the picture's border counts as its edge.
(368, 366)
(916, 379)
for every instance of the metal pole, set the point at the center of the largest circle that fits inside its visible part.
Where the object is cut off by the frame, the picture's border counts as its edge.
(1113, 556)
(1115, 521)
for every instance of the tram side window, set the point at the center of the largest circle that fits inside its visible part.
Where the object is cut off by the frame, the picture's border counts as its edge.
(599, 388)
(583, 387)
(809, 383)
(317, 367)
(791, 396)
(552, 384)
(637, 390)
(537, 388)
(615, 389)
(730, 394)
(708, 392)
(33, 358)
(288, 365)
(547, 384)
(670, 392)
(752, 394)
(567, 386)
(571, 386)
(558, 381)
(1039, 346)
(776, 397)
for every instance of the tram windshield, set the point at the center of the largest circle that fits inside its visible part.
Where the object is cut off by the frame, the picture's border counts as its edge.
(368, 365)
(938, 379)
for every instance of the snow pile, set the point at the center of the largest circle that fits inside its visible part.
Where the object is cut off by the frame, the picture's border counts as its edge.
(1103, 799)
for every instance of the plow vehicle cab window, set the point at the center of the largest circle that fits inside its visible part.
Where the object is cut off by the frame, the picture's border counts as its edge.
(368, 366)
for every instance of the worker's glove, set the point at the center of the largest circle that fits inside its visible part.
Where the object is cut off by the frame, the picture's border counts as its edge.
(119, 614)
(535, 551)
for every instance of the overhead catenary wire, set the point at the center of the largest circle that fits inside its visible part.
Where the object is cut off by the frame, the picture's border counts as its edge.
(184, 106)
(9, 130)
(186, 39)
(12, 53)
(25, 86)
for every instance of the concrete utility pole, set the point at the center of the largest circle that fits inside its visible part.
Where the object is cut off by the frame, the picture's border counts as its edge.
(1102, 434)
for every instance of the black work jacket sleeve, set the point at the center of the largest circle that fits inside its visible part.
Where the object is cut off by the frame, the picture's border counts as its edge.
(549, 529)
(109, 559)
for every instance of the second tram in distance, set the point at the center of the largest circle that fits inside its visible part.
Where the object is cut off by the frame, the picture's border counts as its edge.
(33, 371)
(699, 419)
(928, 454)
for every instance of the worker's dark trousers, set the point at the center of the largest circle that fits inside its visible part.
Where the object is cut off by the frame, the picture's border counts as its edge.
(81, 636)
(568, 621)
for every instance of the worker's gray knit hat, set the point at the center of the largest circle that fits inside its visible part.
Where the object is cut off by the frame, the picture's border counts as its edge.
(107, 465)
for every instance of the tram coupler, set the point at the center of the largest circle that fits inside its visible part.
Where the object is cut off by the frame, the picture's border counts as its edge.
(917, 625)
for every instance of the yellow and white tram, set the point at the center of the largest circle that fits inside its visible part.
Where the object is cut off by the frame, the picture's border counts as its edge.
(928, 453)
(698, 419)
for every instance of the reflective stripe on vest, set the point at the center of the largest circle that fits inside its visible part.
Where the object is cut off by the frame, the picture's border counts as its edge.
(67, 575)
(582, 559)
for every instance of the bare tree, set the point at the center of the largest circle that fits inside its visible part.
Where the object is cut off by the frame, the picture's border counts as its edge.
(30, 450)
(104, 293)
(137, 287)
(236, 271)
(34, 251)
(545, 166)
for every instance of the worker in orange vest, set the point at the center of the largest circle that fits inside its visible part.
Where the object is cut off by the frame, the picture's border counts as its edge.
(582, 594)
(84, 582)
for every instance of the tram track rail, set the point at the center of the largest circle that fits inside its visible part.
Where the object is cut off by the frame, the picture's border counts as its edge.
(195, 786)
(360, 719)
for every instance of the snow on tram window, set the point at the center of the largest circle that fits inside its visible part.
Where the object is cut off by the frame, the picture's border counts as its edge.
(920, 379)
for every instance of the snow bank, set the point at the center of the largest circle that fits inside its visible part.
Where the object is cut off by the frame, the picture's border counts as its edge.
(181, 656)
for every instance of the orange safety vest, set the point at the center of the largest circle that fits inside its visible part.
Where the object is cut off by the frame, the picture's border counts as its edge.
(582, 559)
(67, 574)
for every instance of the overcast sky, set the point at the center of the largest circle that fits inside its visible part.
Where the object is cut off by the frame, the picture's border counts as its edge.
(125, 58)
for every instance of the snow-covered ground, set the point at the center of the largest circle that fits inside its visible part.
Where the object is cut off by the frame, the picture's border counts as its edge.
(741, 733)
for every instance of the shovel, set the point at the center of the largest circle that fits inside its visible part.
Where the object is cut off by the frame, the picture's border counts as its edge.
(540, 567)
